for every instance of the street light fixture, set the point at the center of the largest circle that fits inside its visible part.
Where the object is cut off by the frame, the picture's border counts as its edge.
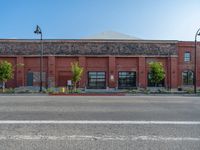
(195, 61)
(39, 31)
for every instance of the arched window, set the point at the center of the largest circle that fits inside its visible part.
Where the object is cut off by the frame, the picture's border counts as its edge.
(188, 77)
(187, 56)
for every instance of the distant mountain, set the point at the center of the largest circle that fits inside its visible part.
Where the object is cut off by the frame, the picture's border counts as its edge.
(112, 36)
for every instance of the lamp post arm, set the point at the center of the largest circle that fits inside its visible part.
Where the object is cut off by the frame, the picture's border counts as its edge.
(195, 61)
(197, 33)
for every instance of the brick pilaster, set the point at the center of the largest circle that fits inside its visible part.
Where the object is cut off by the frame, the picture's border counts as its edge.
(173, 72)
(112, 77)
(51, 71)
(20, 71)
(142, 75)
(82, 63)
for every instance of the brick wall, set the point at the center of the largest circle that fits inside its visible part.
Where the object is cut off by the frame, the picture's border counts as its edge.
(108, 56)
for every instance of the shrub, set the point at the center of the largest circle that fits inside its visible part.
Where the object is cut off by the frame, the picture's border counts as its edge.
(157, 73)
(6, 72)
(189, 91)
(77, 72)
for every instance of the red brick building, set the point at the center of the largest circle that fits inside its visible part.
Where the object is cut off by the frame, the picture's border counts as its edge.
(107, 63)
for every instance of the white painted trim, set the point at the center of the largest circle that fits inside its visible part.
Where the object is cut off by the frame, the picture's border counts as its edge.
(92, 137)
(98, 122)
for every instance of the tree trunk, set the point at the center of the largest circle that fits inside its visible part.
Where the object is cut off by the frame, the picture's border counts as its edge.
(3, 86)
(74, 86)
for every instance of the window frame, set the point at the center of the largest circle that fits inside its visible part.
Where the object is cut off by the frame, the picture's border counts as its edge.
(129, 83)
(187, 58)
(189, 82)
(97, 80)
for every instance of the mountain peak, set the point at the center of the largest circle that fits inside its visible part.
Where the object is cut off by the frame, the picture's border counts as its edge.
(111, 35)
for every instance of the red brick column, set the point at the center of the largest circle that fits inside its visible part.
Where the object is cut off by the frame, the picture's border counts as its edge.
(112, 77)
(173, 73)
(142, 75)
(20, 71)
(82, 63)
(51, 82)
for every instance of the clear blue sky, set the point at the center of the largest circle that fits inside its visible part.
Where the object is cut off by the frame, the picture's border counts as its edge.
(73, 19)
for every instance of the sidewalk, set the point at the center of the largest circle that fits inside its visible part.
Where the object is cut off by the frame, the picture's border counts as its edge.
(33, 91)
(23, 94)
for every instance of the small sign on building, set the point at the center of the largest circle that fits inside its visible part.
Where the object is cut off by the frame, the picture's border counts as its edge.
(69, 82)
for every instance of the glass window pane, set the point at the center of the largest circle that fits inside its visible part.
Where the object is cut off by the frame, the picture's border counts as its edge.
(101, 73)
(97, 80)
(188, 78)
(187, 56)
(127, 79)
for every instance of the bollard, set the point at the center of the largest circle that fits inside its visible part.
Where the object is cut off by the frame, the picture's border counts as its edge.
(62, 89)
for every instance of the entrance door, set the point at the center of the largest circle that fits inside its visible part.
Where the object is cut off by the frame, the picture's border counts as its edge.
(96, 80)
(127, 79)
(30, 79)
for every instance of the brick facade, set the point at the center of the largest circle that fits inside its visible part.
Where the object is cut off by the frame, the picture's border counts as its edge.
(107, 56)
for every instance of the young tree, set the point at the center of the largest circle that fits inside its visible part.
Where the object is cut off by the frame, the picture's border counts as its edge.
(157, 72)
(77, 72)
(6, 72)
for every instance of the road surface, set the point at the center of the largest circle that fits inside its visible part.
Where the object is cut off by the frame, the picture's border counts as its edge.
(107, 123)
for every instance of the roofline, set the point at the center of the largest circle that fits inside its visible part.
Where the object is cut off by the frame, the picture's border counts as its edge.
(91, 40)
(187, 41)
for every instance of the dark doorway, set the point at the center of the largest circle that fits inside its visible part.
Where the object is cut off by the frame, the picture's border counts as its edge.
(30, 79)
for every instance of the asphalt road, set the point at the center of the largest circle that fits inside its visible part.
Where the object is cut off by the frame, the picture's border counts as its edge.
(107, 123)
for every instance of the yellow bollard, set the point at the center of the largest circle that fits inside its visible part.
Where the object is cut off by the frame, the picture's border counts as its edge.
(62, 89)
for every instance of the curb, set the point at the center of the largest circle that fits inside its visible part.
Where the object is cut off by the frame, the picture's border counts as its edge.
(89, 94)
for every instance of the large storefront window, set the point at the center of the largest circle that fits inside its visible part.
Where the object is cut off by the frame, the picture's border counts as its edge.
(152, 84)
(97, 80)
(188, 78)
(127, 79)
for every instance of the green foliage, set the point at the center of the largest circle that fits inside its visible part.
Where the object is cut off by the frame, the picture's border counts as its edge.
(76, 91)
(145, 91)
(77, 72)
(9, 90)
(157, 72)
(189, 91)
(162, 91)
(58, 90)
(6, 72)
(133, 91)
(50, 90)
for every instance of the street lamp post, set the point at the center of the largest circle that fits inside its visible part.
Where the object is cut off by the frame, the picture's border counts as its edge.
(195, 61)
(39, 31)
